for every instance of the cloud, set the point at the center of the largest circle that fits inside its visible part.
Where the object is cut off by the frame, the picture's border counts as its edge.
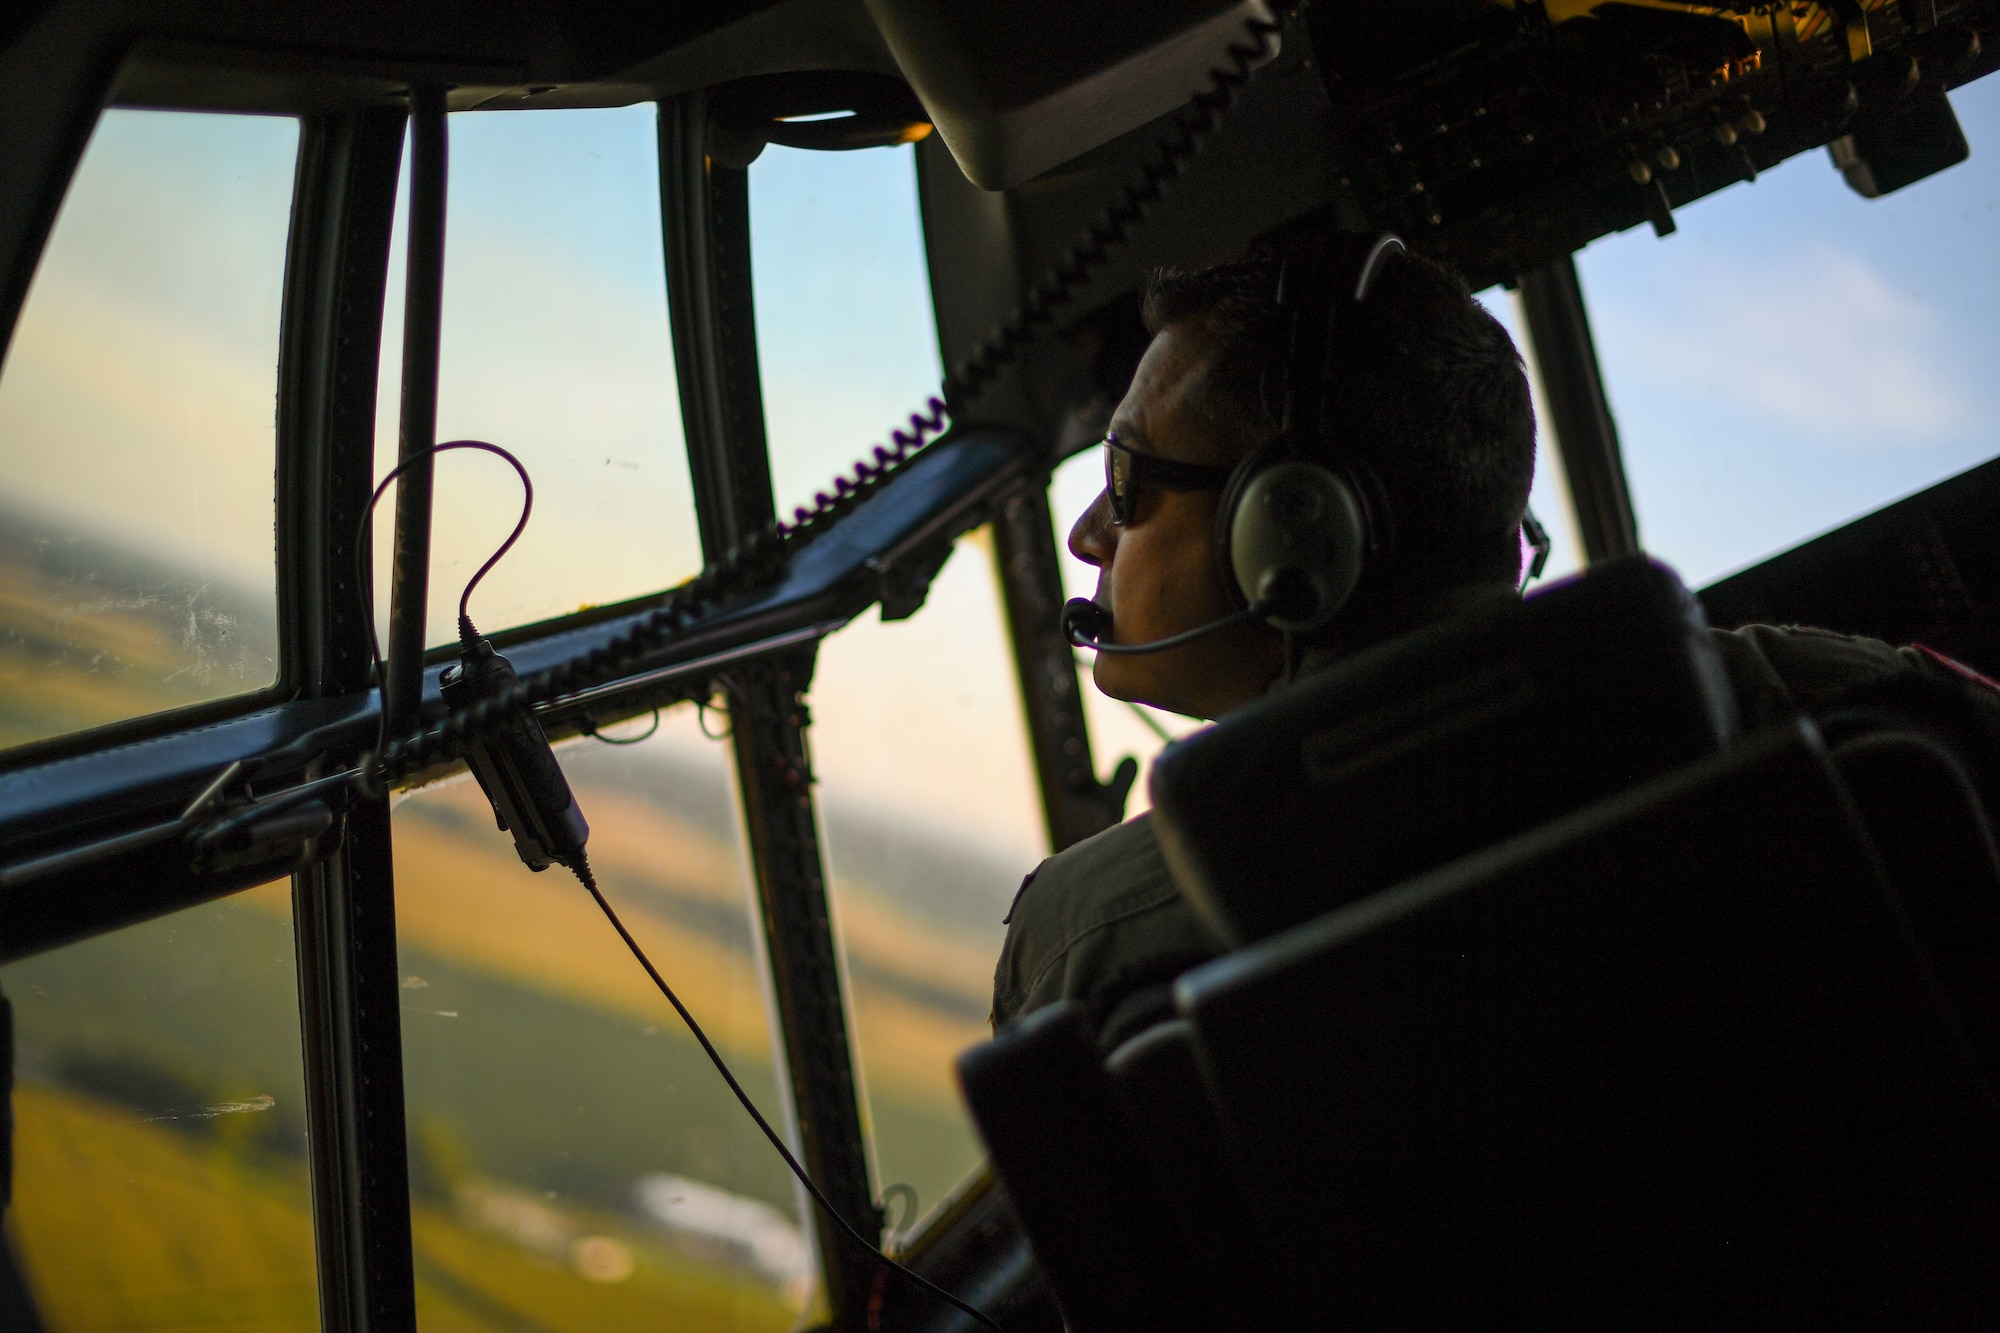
(1815, 339)
(142, 426)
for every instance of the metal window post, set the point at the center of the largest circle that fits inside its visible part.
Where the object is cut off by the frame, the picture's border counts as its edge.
(423, 314)
(343, 908)
(706, 225)
(1586, 434)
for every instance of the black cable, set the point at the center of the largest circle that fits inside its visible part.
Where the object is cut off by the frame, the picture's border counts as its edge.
(701, 707)
(764, 552)
(1247, 615)
(582, 869)
(311, 745)
(589, 728)
(364, 546)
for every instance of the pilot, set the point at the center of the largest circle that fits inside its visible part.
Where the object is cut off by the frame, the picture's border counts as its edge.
(1433, 393)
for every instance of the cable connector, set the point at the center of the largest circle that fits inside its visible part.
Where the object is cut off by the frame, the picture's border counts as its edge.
(511, 758)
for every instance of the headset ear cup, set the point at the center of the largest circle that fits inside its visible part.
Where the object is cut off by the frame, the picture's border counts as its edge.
(1225, 523)
(1298, 533)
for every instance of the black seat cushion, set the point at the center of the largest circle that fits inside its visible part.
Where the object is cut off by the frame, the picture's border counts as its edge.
(1439, 743)
(1674, 1058)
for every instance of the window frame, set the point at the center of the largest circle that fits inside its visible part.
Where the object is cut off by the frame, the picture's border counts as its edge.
(71, 793)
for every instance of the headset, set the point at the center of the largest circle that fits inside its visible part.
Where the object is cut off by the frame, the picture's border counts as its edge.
(1299, 525)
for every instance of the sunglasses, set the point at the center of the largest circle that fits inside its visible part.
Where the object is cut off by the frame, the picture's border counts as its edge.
(1126, 473)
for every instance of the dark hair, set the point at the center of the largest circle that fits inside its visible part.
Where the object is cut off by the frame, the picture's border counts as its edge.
(1428, 392)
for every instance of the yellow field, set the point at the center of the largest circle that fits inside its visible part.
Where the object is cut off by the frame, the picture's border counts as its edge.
(123, 1225)
(469, 900)
(75, 655)
(462, 895)
(468, 1282)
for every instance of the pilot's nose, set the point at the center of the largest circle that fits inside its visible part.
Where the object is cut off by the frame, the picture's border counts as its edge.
(1093, 538)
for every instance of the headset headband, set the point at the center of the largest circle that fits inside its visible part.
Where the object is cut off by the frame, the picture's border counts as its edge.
(1300, 523)
(1322, 281)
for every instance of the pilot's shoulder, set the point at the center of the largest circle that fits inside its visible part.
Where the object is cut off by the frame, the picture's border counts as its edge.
(1079, 887)
(1780, 670)
(1083, 913)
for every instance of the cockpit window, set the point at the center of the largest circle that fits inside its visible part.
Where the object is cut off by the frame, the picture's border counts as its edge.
(1795, 355)
(931, 818)
(555, 346)
(160, 1125)
(574, 1159)
(1549, 498)
(138, 427)
(847, 347)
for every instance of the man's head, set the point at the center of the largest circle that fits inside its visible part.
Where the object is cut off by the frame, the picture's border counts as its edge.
(1426, 392)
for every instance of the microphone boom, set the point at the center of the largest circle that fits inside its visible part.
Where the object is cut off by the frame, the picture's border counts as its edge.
(1085, 623)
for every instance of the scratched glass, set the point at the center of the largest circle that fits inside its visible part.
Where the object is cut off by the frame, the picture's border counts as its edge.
(160, 1125)
(554, 345)
(137, 428)
(576, 1163)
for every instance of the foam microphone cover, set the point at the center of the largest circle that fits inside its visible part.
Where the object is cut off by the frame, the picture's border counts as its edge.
(1084, 622)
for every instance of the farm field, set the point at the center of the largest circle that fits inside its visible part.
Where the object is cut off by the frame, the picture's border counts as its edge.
(126, 1225)
(161, 1145)
(665, 848)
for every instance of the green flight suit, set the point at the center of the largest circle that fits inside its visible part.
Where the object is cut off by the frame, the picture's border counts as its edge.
(1103, 923)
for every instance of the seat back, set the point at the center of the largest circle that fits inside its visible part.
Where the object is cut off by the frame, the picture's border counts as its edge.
(1112, 1256)
(1925, 816)
(1439, 743)
(1170, 1123)
(17, 1303)
(1674, 1057)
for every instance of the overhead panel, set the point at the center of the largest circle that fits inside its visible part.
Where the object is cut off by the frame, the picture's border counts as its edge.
(1498, 136)
(1016, 89)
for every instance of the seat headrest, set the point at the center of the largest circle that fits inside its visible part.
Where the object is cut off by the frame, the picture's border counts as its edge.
(1433, 745)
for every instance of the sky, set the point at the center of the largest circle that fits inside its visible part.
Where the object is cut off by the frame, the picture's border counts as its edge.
(920, 716)
(554, 345)
(137, 394)
(1791, 357)
(1794, 355)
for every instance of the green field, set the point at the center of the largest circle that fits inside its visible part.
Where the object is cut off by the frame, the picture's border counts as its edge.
(137, 1205)
(93, 633)
(123, 1224)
